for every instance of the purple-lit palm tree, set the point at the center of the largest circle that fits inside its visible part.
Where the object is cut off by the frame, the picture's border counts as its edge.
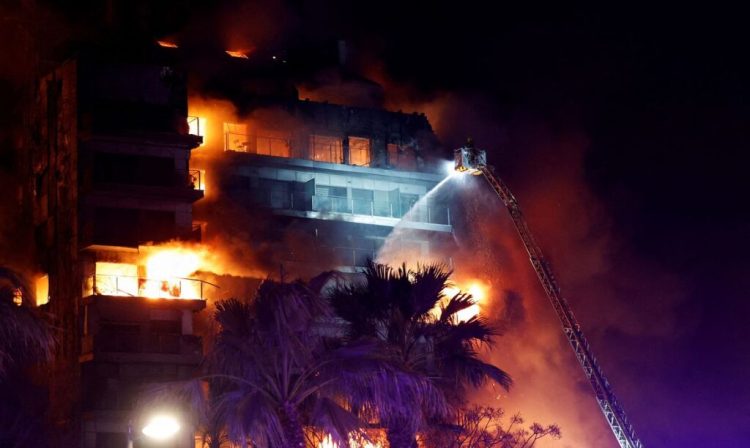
(25, 337)
(396, 307)
(277, 368)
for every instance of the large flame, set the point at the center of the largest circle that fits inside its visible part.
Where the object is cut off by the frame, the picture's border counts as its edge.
(479, 292)
(168, 272)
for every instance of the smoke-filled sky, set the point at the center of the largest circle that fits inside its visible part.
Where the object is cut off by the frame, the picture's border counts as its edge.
(623, 131)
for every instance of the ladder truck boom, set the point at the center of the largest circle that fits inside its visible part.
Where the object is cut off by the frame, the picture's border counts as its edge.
(474, 161)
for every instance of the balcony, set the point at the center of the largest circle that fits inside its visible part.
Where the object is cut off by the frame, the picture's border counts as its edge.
(427, 213)
(135, 286)
(138, 342)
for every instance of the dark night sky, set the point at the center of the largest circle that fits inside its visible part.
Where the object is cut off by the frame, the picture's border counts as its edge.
(660, 94)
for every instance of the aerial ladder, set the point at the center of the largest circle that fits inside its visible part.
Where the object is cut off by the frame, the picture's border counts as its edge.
(474, 161)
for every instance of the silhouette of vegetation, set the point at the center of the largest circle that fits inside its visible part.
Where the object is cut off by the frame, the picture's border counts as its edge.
(408, 313)
(277, 369)
(486, 427)
(26, 340)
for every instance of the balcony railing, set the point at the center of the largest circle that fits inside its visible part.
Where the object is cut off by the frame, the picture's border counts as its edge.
(132, 286)
(196, 179)
(421, 213)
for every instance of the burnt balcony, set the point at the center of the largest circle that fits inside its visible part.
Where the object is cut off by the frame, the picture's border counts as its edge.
(115, 285)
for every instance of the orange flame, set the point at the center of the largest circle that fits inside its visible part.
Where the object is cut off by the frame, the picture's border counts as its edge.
(479, 292)
(166, 44)
(168, 270)
(242, 54)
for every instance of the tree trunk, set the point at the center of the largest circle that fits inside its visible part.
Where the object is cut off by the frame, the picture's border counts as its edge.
(293, 431)
(399, 437)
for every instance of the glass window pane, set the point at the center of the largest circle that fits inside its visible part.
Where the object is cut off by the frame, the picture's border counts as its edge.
(359, 151)
(324, 148)
(273, 143)
(235, 137)
(401, 157)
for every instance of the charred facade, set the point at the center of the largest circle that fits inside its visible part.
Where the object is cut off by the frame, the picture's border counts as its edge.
(109, 153)
(123, 158)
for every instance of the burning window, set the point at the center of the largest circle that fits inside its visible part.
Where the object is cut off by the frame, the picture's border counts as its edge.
(116, 279)
(42, 290)
(162, 273)
(401, 157)
(359, 151)
(197, 179)
(235, 137)
(272, 143)
(324, 148)
(197, 126)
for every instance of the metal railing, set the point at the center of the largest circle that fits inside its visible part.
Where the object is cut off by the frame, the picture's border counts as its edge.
(194, 125)
(196, 179)
(428, 213)
(133, 286)
(236, 141)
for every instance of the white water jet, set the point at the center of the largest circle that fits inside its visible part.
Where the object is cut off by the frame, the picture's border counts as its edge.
(395, 249)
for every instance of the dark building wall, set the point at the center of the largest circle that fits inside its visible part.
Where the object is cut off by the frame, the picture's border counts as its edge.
(54, 165)
(109, 158)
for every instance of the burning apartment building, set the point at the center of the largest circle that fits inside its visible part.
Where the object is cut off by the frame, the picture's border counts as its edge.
(109, 154)
(137, 175)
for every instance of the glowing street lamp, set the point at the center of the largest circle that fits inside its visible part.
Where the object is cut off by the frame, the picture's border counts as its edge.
(159, 427)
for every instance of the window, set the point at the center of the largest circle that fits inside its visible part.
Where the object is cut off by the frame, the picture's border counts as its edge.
(401, 157)
(272, 143)
(325, 190)
(130, 227)
(135, 170)
(331, 199)
(165, 336)
(359, 151)
(407, 202)
(362, 201)
(42, 290)
(235, 137)
(119, 337)
(197, 126)
(326, 149)
(116, 279)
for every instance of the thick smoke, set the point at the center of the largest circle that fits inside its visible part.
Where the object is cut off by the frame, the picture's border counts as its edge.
(249, 235)
(605, 282)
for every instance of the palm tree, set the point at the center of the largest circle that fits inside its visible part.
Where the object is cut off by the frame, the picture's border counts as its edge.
(25, 338)
(276, 368)
(396, 307)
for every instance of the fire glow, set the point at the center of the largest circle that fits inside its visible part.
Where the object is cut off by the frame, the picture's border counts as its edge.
(237, 54)
(478, 291)
(168, 270)
(329, 443)
(164, 272)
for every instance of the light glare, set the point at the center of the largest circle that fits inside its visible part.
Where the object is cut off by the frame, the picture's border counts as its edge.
(161, 427)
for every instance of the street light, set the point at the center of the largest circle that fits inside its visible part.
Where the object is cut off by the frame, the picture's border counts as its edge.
(159, 427)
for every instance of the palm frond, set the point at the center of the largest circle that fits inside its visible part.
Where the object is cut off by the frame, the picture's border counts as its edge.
(428, 283)
(340, 423)
(24, 337)
(459, 302)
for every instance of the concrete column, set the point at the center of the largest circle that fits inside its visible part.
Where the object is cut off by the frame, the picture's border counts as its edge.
(345, 146)
(187, 322)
